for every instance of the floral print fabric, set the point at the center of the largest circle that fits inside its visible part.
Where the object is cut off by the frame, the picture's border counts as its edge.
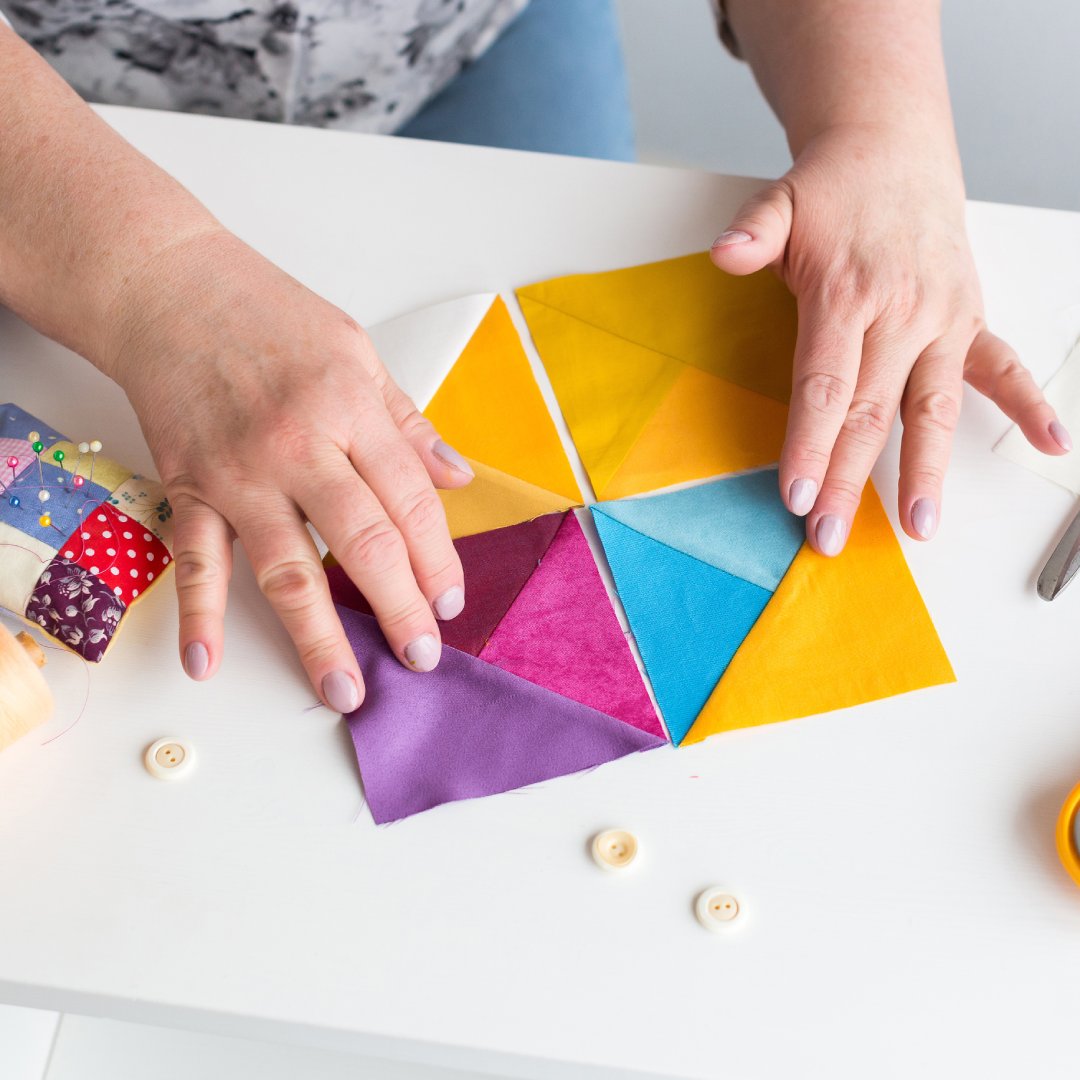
(75, 607)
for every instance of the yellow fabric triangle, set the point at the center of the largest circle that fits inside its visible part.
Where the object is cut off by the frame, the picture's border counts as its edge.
(740, 328)
(607, 387)
(838, 632)
(704, 427)
(489, 408)
(494, 499)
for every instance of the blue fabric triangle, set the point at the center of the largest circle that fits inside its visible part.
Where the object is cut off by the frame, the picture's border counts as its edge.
(737, 524)
(688, 617)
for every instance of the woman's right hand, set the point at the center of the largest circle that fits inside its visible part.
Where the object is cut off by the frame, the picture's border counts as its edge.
(266, 407)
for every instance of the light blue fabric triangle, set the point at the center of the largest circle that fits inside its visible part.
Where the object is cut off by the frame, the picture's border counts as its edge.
(737, 524)
(688, 617)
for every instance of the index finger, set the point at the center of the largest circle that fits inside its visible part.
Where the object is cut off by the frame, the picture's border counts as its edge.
(828, 352)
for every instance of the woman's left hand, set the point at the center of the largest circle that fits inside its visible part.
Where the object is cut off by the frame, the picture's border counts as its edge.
(867, 230)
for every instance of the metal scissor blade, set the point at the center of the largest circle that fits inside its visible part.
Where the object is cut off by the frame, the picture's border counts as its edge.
(1063, 564)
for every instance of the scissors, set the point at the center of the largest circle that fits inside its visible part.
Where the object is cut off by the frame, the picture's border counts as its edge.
(1063, 564)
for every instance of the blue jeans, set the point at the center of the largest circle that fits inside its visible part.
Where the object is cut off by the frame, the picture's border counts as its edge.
(555, 81)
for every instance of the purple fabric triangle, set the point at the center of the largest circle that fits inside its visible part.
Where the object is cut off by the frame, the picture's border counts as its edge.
(496, 564)
(561, 633)
(466, 729)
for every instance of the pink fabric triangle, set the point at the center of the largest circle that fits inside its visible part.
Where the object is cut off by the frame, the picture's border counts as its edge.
(561, 633)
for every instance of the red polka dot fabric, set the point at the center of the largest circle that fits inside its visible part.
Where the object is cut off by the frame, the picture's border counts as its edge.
(123, 554)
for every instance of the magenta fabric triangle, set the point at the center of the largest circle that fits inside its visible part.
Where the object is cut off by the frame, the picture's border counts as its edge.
(496, 565)
(466, 729)
(562, 633)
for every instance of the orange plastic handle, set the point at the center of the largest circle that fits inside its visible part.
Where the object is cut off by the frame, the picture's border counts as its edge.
(1065, 835)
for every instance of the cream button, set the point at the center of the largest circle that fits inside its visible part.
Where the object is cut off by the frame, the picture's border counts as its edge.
(615, 849)
(169, 759)
(716, 909)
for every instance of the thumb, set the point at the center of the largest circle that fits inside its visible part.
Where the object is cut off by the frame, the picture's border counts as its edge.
(758, 235)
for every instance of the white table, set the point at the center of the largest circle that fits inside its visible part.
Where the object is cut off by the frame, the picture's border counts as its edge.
(909, 917)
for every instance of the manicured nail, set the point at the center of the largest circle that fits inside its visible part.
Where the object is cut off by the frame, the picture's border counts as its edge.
(831, 534)
(801, 496)
(732, 236)
(449, 456)
(423, 653)
(340, 692)
(1060, 435)
(196, 660)
(451, 604)
(924, 518)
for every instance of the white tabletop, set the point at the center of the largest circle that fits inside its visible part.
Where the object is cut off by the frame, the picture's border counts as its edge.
(907, 913)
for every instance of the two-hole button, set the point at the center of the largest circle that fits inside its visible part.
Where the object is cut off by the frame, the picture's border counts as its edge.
(169, 759)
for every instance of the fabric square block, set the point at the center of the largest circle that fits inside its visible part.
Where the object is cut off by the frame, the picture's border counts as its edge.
(22, 558)
(19, 451)
(144, 501)
(66, 505)
(17, 423)
(127, 557)
(78, 609)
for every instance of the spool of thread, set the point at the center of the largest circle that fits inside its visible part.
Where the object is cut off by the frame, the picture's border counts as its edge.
(25, 698)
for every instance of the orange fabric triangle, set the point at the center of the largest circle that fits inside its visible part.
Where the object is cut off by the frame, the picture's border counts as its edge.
(607, 387)
(494, 499)
(490, 408)
(740, 328)
(704, 427)
(838, 632)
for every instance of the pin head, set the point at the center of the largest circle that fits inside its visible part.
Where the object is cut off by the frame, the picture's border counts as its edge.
(13, 462)
(37, 446)
(95, 446)
(43, 495)
(33, 436)
(58, 456)
(84, 448)
(45, 521)
(78, 481)
(15, 501)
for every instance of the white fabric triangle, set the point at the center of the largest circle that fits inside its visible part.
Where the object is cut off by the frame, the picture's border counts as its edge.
(1063, 392)
(420, 348)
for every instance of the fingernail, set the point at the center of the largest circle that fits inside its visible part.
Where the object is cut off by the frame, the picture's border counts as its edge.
(449, 456)
(732, 236)
(801, 496)
(924, 518)
(423, 653)
(1060, 435)
(340, 692)
(451, 604)
(196, 660)
(831, 534)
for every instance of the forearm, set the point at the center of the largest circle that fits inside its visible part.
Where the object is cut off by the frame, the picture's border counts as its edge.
(824, 64)
(82, 213)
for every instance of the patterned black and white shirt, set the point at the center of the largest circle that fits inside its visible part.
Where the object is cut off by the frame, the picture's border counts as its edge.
(363, 65)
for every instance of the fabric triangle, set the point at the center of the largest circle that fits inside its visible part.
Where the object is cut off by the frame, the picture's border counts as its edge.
(491, 409)
(562, 633)
(839, 632)
(736, 523)
(740, 328)
(688, 617)
(420, 347)
(466, 729)
(607, 387)
(705, 426)
(494, 499)
(497, 564)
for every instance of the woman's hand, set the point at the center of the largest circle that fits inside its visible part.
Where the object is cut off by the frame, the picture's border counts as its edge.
(266, 407)
(867, 230)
